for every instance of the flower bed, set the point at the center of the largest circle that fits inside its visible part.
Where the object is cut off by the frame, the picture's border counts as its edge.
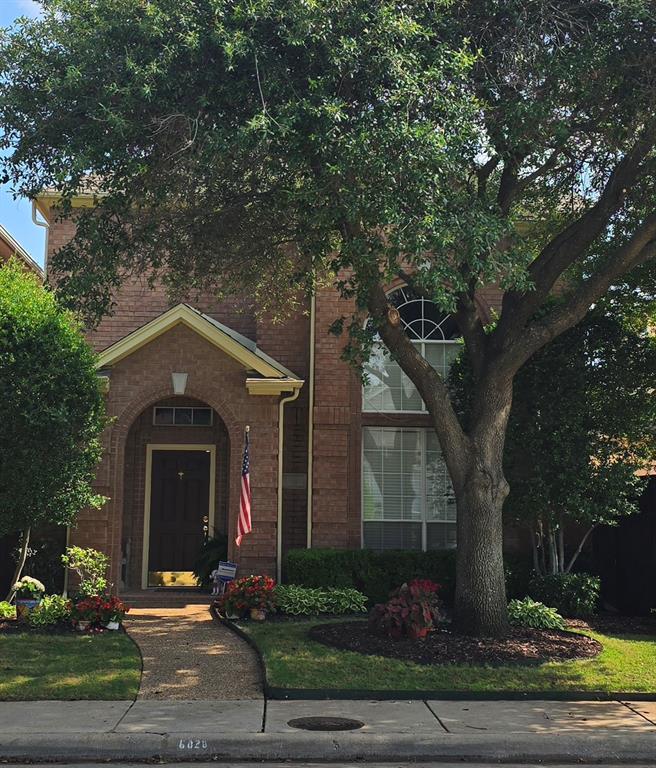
(521, 646)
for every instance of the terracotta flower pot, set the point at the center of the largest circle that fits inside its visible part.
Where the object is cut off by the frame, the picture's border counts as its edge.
(257, 614)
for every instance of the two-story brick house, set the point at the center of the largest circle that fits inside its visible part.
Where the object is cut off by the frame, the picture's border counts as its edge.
(332, 464)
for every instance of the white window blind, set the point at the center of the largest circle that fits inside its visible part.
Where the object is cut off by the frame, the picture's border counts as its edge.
(407, 496)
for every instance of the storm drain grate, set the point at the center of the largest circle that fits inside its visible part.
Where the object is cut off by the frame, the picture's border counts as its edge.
(325, 723)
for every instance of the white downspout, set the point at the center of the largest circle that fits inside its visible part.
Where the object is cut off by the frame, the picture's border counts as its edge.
(281, 434)
(46, 226)
(310, 461)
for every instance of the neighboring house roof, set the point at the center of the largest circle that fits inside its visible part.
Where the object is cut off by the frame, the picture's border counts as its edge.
(271, 377)
(9, 247)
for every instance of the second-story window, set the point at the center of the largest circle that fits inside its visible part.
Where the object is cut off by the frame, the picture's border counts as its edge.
(433, 332)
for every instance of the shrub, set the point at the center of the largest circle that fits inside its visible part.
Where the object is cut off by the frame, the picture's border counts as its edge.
(28, 588)
(91, 567)
(212, 552)
(7, 610)
(52, 610)
(528, 613)
(250, 592)
(377, 574)
(411, 611)
(309, 601)
(575, 595)
(301, 601)
(345, 600)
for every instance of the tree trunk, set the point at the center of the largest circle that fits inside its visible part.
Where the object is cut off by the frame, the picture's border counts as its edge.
(21, 562)
(480, 601)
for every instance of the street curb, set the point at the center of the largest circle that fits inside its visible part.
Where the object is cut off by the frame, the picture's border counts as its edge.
(563, 747)
(340, 694)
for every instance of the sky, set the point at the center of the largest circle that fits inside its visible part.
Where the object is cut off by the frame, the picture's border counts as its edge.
(16, 215)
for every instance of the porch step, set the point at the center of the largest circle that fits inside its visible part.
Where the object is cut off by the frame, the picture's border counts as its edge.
(165, 598)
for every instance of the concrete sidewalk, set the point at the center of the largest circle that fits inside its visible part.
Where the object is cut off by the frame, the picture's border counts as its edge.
(393, 730)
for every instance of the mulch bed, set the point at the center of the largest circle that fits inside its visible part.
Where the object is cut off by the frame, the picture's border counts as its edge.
(522, 646)
(610, 624)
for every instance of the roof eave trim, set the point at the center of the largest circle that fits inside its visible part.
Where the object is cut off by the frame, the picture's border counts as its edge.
(272, 386)
(185, 315)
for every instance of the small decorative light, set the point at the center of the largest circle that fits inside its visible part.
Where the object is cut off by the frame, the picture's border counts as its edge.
(179, 383)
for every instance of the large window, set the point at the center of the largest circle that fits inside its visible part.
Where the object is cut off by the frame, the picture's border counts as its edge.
(407, 497)
(434, 333)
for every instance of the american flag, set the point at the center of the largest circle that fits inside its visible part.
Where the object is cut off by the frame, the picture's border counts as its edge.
(244, 524)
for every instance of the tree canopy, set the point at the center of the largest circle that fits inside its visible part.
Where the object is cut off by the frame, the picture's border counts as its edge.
(52, 408)
(261, 147)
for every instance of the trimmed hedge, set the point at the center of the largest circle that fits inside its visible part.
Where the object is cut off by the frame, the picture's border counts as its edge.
(376, 574)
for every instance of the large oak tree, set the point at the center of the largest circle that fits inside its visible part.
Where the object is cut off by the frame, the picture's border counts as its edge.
(261, 146)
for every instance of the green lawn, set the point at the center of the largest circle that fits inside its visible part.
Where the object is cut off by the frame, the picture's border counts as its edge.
(39, 666)
(627, 664)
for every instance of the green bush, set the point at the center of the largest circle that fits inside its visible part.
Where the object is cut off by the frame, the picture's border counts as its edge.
(345, 600)
(91, 567)
(310, 601)
(7, 610)
(53, 609)
(300, 601)
(207, 560)
(575, 595)
(377, 574)
(528, 613)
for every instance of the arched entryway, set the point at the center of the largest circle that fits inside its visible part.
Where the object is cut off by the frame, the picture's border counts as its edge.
(175, 486)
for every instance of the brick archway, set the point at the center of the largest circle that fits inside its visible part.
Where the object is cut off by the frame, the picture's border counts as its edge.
(118, 449)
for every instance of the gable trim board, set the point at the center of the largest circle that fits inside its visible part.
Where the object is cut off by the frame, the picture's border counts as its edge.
(272, 379)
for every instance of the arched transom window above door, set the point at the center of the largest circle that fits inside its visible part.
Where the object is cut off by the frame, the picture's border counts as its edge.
(433, 332)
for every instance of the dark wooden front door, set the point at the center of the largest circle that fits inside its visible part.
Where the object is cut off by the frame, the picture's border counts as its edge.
(178, 501)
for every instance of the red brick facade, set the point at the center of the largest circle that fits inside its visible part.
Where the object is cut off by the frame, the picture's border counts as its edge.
(143, 379)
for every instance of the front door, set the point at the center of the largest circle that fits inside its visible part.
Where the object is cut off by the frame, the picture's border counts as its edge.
(179, 500)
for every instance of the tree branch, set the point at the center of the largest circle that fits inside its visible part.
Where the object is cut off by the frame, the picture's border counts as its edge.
(429, 383)
(572, 243)
(638, 250)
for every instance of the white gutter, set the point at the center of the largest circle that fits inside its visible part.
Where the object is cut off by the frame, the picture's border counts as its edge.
(281, 434)
(46, 226)
(310, 461)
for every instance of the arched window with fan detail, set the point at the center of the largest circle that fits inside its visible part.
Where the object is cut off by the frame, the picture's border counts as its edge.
(407, 496)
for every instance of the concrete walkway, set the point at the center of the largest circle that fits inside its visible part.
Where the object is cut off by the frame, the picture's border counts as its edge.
(186, 654)
(393, 730)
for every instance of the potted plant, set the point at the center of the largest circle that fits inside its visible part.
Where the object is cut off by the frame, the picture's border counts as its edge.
(86, 612)
(29, 593)
(112, 612)
(252, 595)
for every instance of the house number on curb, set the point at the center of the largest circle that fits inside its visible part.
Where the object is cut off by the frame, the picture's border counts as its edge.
(193, 744)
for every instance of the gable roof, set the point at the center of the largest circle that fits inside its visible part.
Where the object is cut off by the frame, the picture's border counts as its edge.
(240, 348)
(12, 246)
